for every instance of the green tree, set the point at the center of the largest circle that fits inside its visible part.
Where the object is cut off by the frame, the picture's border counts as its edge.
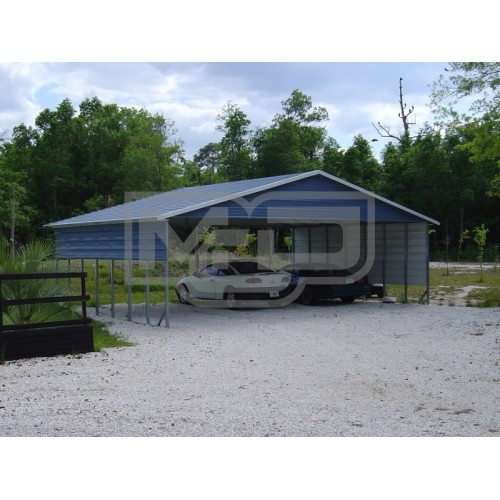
(235, 153)
(431, 175)
(333, 157)
(191, 174)
(359, 166)
(99, 150)
(298, 108)
(52, 183)
(207, 160)
(471, 182)
(123, 149)
(15, 161)
(278, 151)
(479, 81)
(479, 84)
(417, 174)
(295, 141)
(152, 159)
(302, 119)
(72, 162)
(479, 237)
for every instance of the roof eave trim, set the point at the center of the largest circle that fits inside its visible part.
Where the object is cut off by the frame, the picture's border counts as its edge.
(56, 225)
(378, 197)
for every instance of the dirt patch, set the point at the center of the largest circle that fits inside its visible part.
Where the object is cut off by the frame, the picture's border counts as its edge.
(453, 296)
(464, 267)
(457, 295)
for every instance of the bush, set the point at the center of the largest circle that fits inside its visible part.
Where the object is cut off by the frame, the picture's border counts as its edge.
(34, 257)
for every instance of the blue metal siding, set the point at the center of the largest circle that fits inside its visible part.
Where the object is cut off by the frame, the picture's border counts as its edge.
(388, 213)
(111, 241)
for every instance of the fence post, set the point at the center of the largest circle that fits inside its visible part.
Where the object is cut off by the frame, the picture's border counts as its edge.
(147, 293)
(97, 287)
(112, 278)
(1, 307)
(129, 290)
(84, 301)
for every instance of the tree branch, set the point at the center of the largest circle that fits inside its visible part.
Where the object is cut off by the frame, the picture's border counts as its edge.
(387, 131)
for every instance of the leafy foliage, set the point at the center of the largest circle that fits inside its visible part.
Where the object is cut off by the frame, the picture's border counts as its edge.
(475, 86)
(480, 80)
(235, 158)
(433, 176)
(35, 257)
(359, 166)
(294, 142)
(72, 162)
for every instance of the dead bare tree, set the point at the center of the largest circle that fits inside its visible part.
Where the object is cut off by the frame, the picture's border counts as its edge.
(385, 131)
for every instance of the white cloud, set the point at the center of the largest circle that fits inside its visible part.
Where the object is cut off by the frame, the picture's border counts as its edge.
(385, 113)
(180, 110)
(192, 95)
(204, 127)
(19, 84)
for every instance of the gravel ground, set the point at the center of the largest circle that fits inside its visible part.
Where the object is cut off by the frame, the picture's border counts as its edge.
(363, 369)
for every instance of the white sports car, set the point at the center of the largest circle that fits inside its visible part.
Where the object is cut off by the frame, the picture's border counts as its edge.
(232, 281)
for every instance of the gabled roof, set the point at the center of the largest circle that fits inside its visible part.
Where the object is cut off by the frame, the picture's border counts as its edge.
(164, 206)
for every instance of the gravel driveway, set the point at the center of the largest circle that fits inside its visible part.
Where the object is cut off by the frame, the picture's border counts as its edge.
(363, 369)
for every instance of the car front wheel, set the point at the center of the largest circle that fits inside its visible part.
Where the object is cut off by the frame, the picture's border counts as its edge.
(183, 295)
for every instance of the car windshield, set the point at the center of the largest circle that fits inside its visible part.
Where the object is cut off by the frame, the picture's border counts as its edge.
(250, 267)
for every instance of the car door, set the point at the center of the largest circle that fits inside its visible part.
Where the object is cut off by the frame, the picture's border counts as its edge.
(203, 283)
(225, 279)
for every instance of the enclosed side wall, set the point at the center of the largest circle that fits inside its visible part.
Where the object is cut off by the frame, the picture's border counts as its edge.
(398, 256)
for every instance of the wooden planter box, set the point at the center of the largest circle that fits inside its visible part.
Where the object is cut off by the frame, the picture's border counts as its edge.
(50, 338)
(73, 339)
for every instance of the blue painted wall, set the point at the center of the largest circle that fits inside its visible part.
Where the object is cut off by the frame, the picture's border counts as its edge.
(112, 241)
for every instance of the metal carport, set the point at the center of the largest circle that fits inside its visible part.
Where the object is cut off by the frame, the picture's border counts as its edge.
(332, 220)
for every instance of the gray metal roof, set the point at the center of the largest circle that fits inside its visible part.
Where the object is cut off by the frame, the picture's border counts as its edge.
(169, 204)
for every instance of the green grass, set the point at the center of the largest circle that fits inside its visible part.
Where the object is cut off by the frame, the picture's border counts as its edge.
(138, 285)
(487, 297)
(138, 296)
(103, 339)
(438, 277)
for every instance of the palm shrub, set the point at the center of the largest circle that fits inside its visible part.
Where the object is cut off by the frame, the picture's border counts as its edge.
(34, 257)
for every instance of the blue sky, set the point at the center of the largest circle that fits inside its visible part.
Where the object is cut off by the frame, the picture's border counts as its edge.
(192, 94)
